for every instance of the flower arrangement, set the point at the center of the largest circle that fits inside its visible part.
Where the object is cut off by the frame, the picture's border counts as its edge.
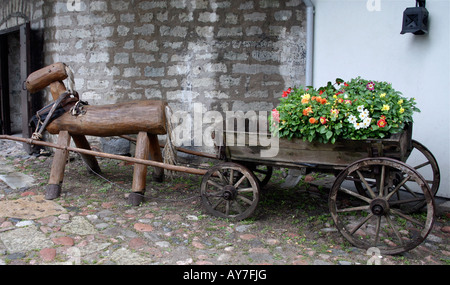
(357, 109)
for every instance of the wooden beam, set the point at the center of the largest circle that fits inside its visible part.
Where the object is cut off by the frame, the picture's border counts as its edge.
(24, 70)
(140, 170)
(5, 119)
(58, 165)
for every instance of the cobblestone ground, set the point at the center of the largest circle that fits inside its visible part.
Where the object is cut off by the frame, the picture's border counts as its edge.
(97, 225)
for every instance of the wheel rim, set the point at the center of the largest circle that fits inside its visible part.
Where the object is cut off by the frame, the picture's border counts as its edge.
(378, 219)
(230, 190)
(423, 161)
(263, 174)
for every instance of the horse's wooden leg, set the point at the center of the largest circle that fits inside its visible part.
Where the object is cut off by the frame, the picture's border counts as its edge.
(53, 190)
(155, 153)
(81, 142)
(140, 171)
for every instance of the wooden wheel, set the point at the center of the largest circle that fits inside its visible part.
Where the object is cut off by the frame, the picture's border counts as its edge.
(379, 219)
(262, 172)
(230, 190)
(423, 161)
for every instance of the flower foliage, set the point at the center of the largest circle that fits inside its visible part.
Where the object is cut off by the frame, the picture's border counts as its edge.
(357, 109)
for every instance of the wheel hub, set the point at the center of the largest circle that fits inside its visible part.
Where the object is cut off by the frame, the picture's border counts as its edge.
(229, 192)
(379, 207)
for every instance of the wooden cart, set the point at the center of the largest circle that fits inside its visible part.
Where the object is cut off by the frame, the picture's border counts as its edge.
(373, 201)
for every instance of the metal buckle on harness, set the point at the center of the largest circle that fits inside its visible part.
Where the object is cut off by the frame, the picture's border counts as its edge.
(77, 109)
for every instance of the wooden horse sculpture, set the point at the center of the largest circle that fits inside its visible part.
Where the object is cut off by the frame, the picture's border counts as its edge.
(145, 118)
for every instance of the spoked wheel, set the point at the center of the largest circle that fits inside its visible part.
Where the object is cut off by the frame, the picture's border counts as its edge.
(230, 190)
(262, 173)
(379, 219)
(423, 161)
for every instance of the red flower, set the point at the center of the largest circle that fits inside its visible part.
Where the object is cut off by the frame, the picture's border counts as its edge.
(286, 93)
(381, 123)
(323, 120)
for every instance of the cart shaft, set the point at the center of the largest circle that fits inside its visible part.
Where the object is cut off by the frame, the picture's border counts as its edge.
(108, 155)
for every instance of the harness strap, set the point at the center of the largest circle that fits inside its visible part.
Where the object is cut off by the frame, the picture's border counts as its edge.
(37, 135)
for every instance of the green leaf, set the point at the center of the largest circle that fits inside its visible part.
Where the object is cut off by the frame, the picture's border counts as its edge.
(322, 129)
(329, 134)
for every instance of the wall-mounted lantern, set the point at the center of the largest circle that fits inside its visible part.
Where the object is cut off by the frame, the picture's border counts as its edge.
(415, 19)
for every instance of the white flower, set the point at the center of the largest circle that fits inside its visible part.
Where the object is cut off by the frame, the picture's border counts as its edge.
(366, 122)
(360, 108)
(357, 126)
(352, 119)
(364, 114)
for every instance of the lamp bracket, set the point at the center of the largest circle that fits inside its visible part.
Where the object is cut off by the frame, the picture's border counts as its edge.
(420, 3)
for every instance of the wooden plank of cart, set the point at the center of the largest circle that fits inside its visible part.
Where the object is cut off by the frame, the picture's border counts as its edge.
(373, 200)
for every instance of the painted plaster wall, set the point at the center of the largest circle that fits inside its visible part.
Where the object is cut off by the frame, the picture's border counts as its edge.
(362, 38)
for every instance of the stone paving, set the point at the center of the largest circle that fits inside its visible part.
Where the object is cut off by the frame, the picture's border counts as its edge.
(91, 223)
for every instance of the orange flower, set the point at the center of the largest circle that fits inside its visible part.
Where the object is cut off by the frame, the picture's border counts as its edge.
(305, 101)
(312, 120)
(323, 101)
(307, 111)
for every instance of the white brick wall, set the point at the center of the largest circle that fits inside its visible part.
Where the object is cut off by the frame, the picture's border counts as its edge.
(221, 53)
